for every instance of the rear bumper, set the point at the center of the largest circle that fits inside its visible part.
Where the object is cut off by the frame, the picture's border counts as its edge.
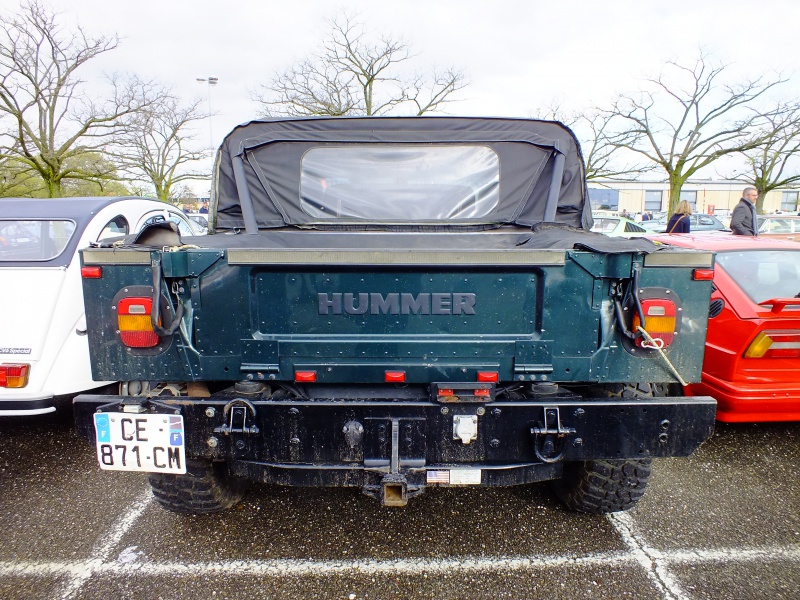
(26, 405)
(747, 402)
(357, 442)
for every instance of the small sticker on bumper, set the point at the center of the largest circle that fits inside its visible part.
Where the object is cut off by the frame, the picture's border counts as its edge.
(455, 477)
(438, 477)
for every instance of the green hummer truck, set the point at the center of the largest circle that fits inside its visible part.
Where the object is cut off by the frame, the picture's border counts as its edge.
(394, 304)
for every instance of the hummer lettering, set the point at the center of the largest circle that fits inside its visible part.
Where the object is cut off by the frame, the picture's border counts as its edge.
(397, 303)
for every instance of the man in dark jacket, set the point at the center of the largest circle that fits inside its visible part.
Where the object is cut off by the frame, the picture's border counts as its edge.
(743, 218)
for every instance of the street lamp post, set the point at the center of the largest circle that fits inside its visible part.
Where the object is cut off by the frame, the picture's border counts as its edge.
(211, 81)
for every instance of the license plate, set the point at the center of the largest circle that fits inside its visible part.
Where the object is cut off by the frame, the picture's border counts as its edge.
(150, 443)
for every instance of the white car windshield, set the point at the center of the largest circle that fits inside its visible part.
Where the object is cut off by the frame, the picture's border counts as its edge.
(764, 274)
(400, 183)
(34, 240)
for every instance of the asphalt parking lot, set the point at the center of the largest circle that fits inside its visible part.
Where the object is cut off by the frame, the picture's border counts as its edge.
(724, 523)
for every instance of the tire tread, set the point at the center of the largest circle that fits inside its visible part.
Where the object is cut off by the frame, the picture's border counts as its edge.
(205, 488)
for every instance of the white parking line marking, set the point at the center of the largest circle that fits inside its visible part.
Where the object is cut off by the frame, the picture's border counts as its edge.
(408, 566)
(655, 562)
(101, 552)
(652, 562)
(411, 566)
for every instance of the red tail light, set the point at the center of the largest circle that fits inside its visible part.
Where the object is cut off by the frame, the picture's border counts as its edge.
(305, 376)
(394, 376)
(703, 274)
(774, 344)
(134, 321)
(659, 316)
(91, 272)
(488, 376)
(14, 375)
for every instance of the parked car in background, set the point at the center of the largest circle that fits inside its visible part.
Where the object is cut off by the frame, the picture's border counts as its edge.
(779, 226)
(752, 357)
(44, 356)
(618, 227)
(200, 221)
(699, 222)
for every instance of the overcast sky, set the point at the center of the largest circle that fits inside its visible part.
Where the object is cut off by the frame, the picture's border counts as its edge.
(518, 55)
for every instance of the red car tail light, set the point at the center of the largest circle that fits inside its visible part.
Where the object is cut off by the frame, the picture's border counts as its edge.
(14, 375)
(659, 315)
(135, 324)
(774, 344)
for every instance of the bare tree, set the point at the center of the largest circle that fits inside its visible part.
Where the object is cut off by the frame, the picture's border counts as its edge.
(688, 119)
(352, 75)
(603, 144)
(773, 163)
(156, 145)
(50, 123)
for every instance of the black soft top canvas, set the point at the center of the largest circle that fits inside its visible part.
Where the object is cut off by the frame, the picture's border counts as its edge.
(259, 170)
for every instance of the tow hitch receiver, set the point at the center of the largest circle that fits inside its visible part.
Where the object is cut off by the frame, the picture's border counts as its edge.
(394, 490)
(548, 441)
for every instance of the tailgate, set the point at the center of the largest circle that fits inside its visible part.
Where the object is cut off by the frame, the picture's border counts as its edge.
(362, 316)
(392, 312)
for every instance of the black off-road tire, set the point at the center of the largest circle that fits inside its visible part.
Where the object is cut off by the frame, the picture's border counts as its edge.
(603, 486)
(206, 487)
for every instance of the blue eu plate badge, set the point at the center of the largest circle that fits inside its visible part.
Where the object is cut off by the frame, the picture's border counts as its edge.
(102, 427)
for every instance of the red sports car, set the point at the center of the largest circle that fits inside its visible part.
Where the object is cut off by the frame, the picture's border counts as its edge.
(752, 358)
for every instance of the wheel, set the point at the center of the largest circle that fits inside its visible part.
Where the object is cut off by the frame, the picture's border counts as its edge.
(206, 487)
(602, 486)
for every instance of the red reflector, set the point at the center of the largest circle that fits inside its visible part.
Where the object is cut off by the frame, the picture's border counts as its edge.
(446, 392)
(305, 376)
(91, 272)
(395, 376)
(488, 376)
(482, 392)
(703, 274)
(14, 375)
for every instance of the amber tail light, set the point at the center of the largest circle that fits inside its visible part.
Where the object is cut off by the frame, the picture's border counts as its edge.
(774, 344)
(14, 375)
(135, 324)
(659, 317)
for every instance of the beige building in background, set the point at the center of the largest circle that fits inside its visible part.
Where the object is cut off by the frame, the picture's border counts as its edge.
(705, 196)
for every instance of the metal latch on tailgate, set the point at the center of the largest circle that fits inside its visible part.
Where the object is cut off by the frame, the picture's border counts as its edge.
(235, 415)
(548, 441)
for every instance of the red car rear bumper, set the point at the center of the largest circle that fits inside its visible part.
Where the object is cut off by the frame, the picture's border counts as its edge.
(743, 402)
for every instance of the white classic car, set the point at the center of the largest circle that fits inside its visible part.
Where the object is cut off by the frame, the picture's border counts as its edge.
(44, 355)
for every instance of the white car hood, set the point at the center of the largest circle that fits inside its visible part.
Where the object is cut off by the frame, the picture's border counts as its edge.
(28, 296)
